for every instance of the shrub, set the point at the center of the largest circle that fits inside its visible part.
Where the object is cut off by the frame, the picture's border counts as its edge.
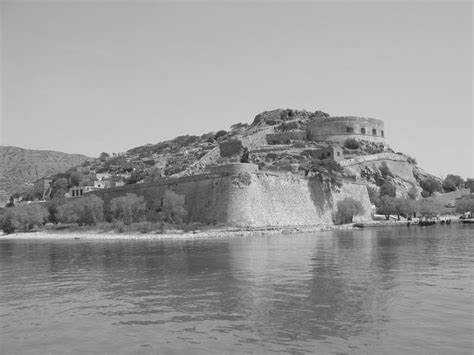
(220, 134)
(347, 209)
(86, 210)
(242, 179)
(352, 143)
(327, 164)
(128, 209)
(411, 160)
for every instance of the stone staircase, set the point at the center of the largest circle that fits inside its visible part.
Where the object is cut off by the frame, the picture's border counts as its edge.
(198, 167)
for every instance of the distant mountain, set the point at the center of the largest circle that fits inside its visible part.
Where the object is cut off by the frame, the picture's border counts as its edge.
(19, 167)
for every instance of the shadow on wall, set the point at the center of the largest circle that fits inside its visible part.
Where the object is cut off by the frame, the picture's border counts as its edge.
(321, 195)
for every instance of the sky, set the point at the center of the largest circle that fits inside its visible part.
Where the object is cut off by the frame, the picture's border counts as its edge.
(92, 76)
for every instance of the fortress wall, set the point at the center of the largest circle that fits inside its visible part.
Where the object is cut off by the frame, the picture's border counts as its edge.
(205, 197)
(233, 168)
(286, 137)
(257, 138)
(335, 129)
(398, 165)
(279, 200)
(374, 157)
(230, 148)
(264, 200)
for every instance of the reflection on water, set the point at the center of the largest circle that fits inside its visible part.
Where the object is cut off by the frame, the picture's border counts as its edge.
(369, 291)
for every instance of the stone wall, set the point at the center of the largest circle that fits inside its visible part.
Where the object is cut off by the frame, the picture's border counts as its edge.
(256, 137)
(230, 148)
(266, 199)
(338, 129)
(398, 165)
(286, 137)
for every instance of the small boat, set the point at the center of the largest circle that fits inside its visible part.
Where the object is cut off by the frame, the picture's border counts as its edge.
(468, 220)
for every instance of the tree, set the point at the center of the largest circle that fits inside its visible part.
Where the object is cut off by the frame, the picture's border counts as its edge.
(128, 209)
(52, 208)
(428, 207)
(86, 210)
(172, 208)
(24, 217)
(352, 143)
(348, 208)
(76, 178)
(6, 223)
(465, 205)
(404, 207)
(387, 189)
(387, 206)
(431, 185)
(385, 170)
(452, 183)
(59, 188)
(103, 156)
(374, 195)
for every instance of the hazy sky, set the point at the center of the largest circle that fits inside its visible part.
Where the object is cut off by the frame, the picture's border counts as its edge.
(92, 76)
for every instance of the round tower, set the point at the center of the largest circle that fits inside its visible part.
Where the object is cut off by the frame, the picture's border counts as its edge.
(338, 129)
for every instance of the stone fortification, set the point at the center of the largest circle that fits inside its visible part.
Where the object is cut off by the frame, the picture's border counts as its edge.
(338, 129)
(256, 137)
(240, 195)
(386, 156)
(286, 137)
(398, 165)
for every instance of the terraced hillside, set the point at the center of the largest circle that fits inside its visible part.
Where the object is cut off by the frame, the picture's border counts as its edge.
(19, 167)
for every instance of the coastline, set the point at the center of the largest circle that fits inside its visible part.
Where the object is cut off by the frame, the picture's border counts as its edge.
(217, 233)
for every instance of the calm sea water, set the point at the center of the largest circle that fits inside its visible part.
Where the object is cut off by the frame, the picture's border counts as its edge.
(407, 290)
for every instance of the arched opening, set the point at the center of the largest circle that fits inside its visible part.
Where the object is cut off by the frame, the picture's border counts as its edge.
(382, 133)
(374, 132)
(362, 130)
(349, 129)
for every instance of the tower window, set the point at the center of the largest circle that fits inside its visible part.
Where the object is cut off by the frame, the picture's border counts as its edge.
(350, 129)
(374, 132)
(382, 133)
(362, 130)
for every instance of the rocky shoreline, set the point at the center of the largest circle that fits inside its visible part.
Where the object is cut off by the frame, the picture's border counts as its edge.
(219, 233)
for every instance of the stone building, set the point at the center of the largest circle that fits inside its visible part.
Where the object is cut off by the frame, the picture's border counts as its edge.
(338, 129)
(334, 152)
(76, 191)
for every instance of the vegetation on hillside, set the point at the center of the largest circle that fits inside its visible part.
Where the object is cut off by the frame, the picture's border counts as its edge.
(21, 167)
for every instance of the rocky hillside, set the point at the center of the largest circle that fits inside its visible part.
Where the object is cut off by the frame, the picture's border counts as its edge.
(275, 140)
(21, 167)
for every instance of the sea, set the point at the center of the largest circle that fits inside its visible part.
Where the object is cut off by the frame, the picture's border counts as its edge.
(370, 291)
